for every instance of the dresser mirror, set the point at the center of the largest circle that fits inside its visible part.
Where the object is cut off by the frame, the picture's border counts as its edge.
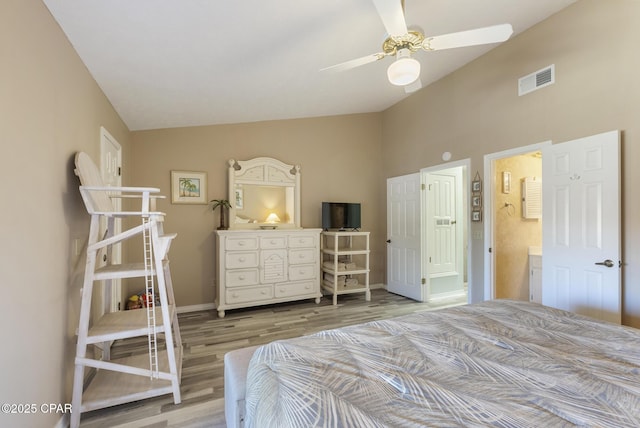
(264, 194)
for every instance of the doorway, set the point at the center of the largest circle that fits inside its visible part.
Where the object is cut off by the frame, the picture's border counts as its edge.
(512, 230)
(428, 233)
(111, 171)
(445, 231)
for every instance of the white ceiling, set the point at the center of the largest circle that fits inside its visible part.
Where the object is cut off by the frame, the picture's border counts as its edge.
(173, 63)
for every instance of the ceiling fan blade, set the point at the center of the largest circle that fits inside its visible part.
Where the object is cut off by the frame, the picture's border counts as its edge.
(479, 36)
(392, 16)
(412, 87)
(354, 62)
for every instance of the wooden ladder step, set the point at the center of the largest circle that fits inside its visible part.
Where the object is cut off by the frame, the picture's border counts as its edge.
(125, 324)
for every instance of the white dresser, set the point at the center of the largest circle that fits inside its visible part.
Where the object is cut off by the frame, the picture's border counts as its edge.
(259, 267)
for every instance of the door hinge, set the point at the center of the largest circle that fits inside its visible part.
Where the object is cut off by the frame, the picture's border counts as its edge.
(423, 186)
(119, 171)
(424, 281)
(119, 308)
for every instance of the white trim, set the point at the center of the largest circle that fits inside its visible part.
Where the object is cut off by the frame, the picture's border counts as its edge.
(63, 422)
(196, 308)
(448, 295)
(489, 203)
(378, 286)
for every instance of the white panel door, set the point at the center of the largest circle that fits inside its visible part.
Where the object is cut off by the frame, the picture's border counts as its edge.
(111, 171)
(404, 271)
(441, 207)
(581, 226)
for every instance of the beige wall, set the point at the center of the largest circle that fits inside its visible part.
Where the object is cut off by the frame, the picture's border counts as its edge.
(476, 110)
(50, 107)
(339, 158)
(513, 234)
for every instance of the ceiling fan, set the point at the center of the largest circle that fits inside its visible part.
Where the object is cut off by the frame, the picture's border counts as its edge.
(401, 43)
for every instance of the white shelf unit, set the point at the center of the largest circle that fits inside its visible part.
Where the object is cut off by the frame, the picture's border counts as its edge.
(100, 381)
(345, 263)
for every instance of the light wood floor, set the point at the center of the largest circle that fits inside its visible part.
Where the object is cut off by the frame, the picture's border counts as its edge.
(206, 338)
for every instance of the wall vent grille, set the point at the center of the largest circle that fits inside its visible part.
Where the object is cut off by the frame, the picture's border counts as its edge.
(537, 80)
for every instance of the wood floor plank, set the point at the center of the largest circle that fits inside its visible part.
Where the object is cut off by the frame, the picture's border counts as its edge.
(206, 338)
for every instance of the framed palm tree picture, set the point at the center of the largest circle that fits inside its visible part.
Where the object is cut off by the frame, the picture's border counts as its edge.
(188, 187)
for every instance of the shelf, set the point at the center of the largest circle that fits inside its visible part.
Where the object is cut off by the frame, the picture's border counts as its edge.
(359, 270)
(343, 289)
(110, 388)
(124, 324)
(127, 270)
(346, 247)
(344, 252)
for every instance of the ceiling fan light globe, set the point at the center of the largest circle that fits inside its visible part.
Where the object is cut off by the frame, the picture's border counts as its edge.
(403, 71)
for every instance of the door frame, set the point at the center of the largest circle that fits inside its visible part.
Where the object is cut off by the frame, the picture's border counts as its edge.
(489, 203)
(115, 297)
(463, 197)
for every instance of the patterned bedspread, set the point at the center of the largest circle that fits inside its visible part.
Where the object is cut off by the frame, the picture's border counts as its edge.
(498, 363)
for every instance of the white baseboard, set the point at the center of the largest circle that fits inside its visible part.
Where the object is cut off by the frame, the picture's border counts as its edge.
(447, 295)
(377, 286)
(195, 308)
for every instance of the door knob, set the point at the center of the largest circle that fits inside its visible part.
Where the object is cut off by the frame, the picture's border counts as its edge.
(607, 263)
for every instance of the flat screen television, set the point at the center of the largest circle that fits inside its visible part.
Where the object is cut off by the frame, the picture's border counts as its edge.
(340, 215)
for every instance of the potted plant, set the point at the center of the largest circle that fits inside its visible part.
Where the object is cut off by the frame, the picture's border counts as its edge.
(223, 204)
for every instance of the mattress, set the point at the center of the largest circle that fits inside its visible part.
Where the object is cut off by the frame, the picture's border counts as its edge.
(497, 363)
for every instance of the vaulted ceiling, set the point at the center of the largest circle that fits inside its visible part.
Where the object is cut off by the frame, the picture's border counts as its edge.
(174, 63)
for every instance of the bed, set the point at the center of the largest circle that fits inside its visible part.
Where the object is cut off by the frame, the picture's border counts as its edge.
(497, 363)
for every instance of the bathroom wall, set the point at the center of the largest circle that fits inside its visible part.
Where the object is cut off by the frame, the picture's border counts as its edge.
(513, 233)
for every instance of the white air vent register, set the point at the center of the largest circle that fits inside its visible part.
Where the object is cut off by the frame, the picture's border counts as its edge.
(537, 80)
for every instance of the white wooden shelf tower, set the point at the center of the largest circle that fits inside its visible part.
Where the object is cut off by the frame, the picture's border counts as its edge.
(157, 372)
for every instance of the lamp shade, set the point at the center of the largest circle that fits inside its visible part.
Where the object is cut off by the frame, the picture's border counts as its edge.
(404, 69)
(273, 218)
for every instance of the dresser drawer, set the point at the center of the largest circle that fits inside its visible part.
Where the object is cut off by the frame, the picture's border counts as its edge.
(302, 241)
(298, 272)
(303, 256)
(241, 243)
(241, 277)
(273, 242)
(239, 260)
(294, 289)
(249, 294)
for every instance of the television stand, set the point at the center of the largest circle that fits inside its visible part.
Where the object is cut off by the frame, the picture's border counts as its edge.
(345, 263)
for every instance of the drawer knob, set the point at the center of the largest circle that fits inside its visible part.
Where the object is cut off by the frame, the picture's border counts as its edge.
(242, 259)
(273, 242)
(241, 277)
(241, 244)
(263, 292)
(235, 294)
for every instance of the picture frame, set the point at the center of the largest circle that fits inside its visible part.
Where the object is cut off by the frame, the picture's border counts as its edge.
(476, 215)
(239, 199)
(506, 182)
(476, 201)
(476, 186)
(188, 187)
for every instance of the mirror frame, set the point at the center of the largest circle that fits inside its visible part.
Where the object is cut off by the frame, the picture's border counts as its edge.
(263, 171)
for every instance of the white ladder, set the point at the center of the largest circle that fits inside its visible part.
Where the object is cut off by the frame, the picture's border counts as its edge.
(150, 294)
